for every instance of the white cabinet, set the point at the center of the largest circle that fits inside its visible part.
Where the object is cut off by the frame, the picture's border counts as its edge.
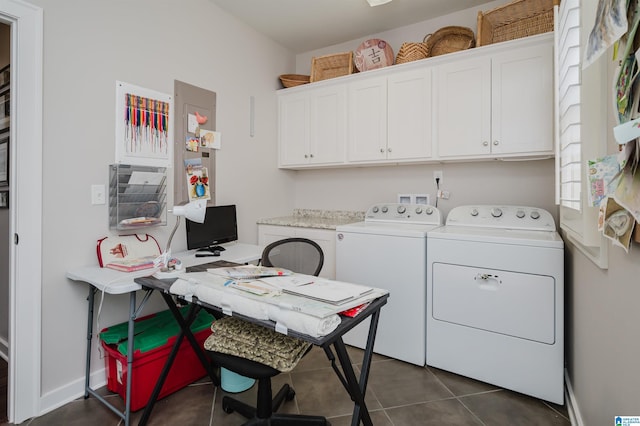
(495, 101)
(312, 129)
(390, 117)
(496, 105)
(326, 239)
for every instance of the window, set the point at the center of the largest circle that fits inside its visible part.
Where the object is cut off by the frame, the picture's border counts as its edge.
(581, 111)
(568, 104)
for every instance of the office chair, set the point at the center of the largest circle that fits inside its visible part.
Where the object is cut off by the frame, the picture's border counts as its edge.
(299, 255)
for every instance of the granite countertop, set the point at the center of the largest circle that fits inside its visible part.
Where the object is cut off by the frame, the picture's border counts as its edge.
(320, 219)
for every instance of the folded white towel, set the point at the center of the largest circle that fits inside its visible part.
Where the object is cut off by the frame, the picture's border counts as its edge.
(303, 323)
(212, 293)
(182, 287)
(231, 302)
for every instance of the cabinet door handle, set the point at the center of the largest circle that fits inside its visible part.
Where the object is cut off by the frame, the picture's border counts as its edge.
(306, 156)
(382, 150)
(496, 142)
(485, 143)
(311, 155)
(389, 149)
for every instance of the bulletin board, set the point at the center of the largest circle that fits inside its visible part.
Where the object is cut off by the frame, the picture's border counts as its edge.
(614, 180)
(195, 143)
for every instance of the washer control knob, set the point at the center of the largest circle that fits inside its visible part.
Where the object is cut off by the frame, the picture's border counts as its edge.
(496, 212)
(418, 210)
(385, 209)
(375, 209)
(474, 212)
(535, 214)
(520, 214)
(402, 209)
(429, 210)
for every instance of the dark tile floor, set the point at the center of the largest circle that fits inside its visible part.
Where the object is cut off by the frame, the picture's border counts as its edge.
(399, 394)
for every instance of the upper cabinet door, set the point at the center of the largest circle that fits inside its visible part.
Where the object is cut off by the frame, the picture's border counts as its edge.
(522, 111)
(328, 129)
(464, 107)
(409, 115)
(293, 129)
(367, 123)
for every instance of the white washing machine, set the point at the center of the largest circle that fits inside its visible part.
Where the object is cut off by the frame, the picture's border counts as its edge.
(495, 293)
(389, 250)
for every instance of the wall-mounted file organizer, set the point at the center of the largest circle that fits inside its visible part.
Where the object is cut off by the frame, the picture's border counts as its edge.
(137, 196)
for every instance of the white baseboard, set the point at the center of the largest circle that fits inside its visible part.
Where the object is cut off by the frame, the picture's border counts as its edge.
(70, 392)
(572, 403)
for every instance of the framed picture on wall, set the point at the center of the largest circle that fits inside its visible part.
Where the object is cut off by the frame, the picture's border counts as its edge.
(4, 159)
(4, 77)
(143, 120)
(5, 108)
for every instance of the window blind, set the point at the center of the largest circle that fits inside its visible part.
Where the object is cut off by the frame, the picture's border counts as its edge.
(568, 77)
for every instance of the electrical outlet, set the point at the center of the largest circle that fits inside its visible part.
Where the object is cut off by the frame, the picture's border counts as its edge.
(437, 174)
(443, 194)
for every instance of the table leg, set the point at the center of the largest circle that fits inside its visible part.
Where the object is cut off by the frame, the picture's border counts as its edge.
(90, 299)
(130, 348)
(356, 388)
(185, 326)
(185, 330)
(366, 361)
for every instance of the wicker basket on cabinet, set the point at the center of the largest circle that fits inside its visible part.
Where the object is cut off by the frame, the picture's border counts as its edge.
(331, 66)
(520, 18)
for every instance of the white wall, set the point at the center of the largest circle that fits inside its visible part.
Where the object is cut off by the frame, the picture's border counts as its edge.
(395, 38)
(528, 183)
(88, 45)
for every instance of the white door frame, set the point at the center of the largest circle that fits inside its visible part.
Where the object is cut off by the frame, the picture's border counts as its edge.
(25, 177)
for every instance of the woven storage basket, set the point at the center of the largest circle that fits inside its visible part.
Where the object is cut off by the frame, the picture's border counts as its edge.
(331, 66)
(520, 18)
(292, 80)
(450, 39)
(412, 52)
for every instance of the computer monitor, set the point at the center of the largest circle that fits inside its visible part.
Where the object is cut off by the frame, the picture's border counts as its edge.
(220, 226)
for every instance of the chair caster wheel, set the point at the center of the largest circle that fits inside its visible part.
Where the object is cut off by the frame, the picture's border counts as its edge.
(291, 394)
(226, 407)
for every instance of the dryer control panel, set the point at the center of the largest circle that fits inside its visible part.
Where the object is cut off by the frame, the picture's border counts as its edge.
(404, 213)
(504, 217)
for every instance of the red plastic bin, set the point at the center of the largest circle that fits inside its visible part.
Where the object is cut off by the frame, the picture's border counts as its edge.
(148, 365)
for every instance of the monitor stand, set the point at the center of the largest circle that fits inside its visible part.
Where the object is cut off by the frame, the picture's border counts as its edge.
(211, 249)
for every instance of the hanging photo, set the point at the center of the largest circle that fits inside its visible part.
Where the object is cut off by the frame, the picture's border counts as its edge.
(210, 139)
(191, 144)
(198, 182)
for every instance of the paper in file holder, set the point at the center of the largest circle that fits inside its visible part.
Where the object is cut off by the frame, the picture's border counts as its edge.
(137, 196)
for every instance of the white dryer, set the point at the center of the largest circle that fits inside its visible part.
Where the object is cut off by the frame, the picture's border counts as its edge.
(389, 250)
(495, 293)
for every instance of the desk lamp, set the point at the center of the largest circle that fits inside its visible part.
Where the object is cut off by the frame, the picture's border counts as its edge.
(194, 211)
(373, 3)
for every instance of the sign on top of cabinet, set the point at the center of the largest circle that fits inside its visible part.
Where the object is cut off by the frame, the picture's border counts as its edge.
(478, 104)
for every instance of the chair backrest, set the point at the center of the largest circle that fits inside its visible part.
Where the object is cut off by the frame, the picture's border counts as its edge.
(299, 255)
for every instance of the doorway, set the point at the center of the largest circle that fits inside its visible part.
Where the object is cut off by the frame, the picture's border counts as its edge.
(25, 230)
(5, 58)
